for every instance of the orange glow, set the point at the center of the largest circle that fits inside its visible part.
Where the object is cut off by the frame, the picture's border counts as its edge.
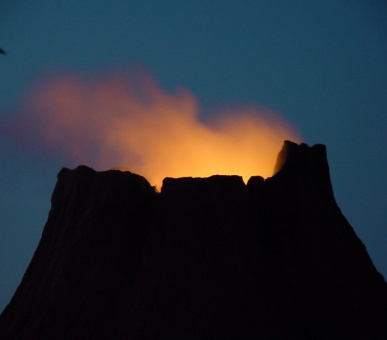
(115, 121)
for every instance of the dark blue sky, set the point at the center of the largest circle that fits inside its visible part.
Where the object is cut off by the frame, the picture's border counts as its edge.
(321, 64)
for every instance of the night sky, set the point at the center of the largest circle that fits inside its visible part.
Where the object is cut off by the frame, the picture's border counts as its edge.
(321, 64)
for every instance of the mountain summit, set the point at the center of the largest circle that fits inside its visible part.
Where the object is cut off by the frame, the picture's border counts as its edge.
(206, 258)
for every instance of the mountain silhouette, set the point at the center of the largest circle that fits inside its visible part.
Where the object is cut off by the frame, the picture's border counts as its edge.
(206, 258)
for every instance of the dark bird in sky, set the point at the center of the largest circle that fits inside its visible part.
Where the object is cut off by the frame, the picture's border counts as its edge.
(2, 51)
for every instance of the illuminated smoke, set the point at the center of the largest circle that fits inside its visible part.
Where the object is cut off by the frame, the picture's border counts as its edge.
(116, 121)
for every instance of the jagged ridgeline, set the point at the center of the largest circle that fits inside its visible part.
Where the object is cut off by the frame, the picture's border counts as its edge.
(206, 258)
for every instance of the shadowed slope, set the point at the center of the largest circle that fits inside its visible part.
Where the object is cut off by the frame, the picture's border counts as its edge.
(87, 258)
(206, 258)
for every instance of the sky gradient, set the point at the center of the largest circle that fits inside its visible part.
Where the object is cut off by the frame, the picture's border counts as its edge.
(321, 65)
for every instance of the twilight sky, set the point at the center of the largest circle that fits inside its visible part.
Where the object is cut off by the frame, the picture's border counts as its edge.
(322, 65)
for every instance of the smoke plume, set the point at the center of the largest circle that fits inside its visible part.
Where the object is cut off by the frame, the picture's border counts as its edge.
(131, 123)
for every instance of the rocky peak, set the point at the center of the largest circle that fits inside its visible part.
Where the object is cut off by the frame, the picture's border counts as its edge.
(206, 258)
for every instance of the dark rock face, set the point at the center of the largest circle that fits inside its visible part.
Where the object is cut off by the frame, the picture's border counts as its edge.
(207, 258)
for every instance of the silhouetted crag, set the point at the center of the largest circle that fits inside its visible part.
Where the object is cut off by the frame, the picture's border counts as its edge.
(207, 258)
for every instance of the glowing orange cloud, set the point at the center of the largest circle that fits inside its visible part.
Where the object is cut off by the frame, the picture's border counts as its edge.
(114, 121)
